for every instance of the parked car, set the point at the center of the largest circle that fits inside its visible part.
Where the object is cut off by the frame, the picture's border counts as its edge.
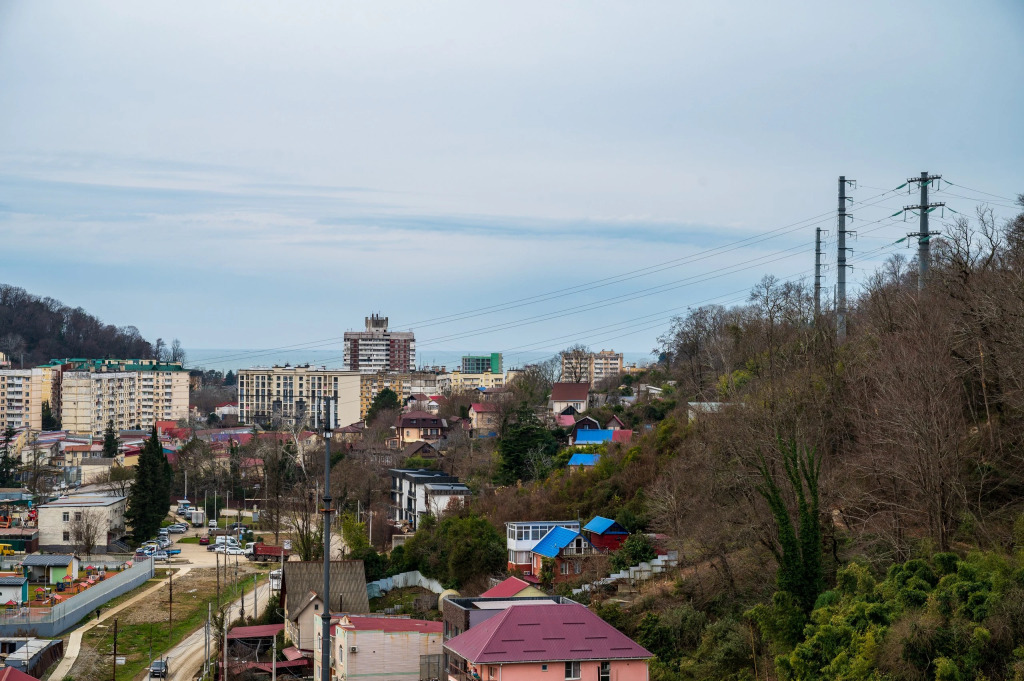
(204, 540)
(160, 555)
(234, 551)
(162, 532)
(158, 670)
(238, 526)
(176, 529)
(164, 543)
(212, 525)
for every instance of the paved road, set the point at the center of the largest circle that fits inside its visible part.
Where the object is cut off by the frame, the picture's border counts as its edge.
(186, 658)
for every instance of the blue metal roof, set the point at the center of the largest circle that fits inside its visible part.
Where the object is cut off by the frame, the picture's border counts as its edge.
(584, 459)
(600, 525)
(555, 540)
(593, 437)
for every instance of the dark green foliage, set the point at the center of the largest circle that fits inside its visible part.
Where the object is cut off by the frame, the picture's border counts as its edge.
(525, 440)
(799, 552)
(8, 462)
(357, 545)
(635, 550)
(49, 421)
(150, 496)
(230, 378)
(385, 400)
(457, 549)
(110, 441)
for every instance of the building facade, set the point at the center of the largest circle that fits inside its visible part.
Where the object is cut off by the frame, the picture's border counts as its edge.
(379, 349)
(482, 364)
(102, 516)
(418, 492)
(22, 394)
(457, 382)
(380, 647)
(522, 537)
(591, 367)
(289, 393)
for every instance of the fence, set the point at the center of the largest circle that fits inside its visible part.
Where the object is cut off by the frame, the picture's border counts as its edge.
(401, 581)
(51, 622)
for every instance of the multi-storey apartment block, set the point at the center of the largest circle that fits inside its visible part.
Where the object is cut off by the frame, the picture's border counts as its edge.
(22, 394)
(378, 349)
(457, 382)
(289, 393)
(479, 364)
(133, 393)
(592, 367)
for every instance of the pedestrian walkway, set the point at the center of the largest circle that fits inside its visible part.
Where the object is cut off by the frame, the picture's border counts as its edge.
(75, 642)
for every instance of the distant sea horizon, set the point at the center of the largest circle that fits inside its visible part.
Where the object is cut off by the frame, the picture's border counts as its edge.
(224, 359)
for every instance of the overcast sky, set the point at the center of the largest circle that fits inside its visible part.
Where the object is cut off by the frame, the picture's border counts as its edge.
(251, 175)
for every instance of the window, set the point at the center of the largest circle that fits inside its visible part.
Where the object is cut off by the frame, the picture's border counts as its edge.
(572, 670)
(563, 567)
(78, 515)
(578, 567)
(65, 516)
(67, 536)
(605, 672)
(493, 672)
(543, 667)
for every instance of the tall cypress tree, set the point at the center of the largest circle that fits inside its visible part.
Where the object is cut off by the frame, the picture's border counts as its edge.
(110, 441)
(150, 498)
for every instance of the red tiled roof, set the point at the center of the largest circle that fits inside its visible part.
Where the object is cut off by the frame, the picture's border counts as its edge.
(259, 631)
(227, 404)
(484, 407)
(392, 625)
(569, 392)
(544, 633)
(292, 653)
(12, 674)
(439, 398)
(565, 420)
(623, 436)
(510, 587)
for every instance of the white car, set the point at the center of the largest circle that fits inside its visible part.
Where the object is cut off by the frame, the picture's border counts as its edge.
(234, 551)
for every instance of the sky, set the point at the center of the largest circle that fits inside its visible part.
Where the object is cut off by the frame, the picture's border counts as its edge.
(262, 175)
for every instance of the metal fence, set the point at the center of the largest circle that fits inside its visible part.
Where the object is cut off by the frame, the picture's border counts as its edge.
(50, 622)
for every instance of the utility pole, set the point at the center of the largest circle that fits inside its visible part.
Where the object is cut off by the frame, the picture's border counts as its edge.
(841, 260)
(216, 556)
(817, 278)
(206, 641)
(273, 661)
(923, 235)
(113, 670)
(225, 676)
(329, 415)
(170, 606)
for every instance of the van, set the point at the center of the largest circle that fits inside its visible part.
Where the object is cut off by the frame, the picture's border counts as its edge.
(230, 541)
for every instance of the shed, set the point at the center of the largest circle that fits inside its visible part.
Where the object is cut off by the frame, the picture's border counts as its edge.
(13, 588)
(50, 568)
(605, 533)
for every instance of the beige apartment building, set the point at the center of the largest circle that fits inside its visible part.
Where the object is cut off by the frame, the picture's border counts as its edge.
(131, 393)
(290, 392)
(591, 368)
(457, 382)
(22, 393)
(101, 516)
(404, 385)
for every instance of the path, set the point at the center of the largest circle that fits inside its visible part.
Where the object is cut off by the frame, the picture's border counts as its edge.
(75, 642)
(186, 659)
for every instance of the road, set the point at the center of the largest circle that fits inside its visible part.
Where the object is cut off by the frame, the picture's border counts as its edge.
(186, 658)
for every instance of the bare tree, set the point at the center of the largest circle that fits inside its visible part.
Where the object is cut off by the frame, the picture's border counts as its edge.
(576, 363)
(118, 480)
(87, 530)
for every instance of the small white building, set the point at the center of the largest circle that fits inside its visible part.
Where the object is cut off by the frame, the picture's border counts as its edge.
(384, 647)
(102, 515)
(522, 537)
(13, 588)
(415, 492)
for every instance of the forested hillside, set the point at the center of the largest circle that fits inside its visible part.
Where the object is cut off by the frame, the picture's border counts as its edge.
(34, 330)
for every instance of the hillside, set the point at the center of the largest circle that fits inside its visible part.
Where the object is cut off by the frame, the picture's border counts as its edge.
(34, 330)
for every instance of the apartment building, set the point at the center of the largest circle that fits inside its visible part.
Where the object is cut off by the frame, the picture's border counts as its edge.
(590, 367)
(23, 392)
(457, 382)
(103, 516)
(481, 364)
(417, 492)
(290, 392)
(379, 349)
(133, 393)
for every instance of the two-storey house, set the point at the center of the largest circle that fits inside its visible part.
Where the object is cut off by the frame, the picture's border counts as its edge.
(567, 548)
(416, 492)
(522, 537)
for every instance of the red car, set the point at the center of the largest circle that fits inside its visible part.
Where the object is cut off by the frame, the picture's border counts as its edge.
(204, 540)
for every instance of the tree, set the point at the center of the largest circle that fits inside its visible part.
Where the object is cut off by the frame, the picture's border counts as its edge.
(87, 530)
(576, 364)
(110, 441)
(38, 474)
(178, 352)
(307, 524)
(8, 462)
(635, 550)
(150, 497)
(230, 378)
(385, 401)
(118, 480)
(525, 444)
(461, 548)
(50, 422)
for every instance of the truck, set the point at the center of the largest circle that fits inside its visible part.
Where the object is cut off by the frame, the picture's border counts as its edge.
(198, 517)
(266, 552)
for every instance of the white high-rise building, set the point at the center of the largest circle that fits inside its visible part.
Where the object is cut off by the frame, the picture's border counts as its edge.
(378, 349)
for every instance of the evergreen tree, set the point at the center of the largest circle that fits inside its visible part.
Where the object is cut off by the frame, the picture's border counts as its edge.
(524, 437)
(385, 400)
(150, 498)
(50, 422)
(230, 378)
(8, 463)
(110, 441)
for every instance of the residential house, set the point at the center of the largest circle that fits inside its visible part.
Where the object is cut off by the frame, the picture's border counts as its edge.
(569, 550)
(583, 423)
(423, 450)
(418, 425)
(695, 409)
(484, 417)
(462, 614)
(579, 462)
(605, 534)
(415, 492)
(600, 437)
(381, 647)
(548, 642)
(423, 402)
(614, 423)
(302, 586)
(513, 587)
(13, 588)
(522, 537)
(50, 568)
(226, 409)
(565, 420)
(102, 514)
(568, 395)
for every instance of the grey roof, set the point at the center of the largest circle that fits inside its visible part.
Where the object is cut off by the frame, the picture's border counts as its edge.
(348, 586)
(12, 581)
(48, 560)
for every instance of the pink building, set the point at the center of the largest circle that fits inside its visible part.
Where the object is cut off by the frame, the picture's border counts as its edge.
(380, 647)
(556, 642)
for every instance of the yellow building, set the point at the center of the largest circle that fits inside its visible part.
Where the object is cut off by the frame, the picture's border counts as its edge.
(457, 382)
(591, 367)
(289, 393)
(132, 393)
(22, 394)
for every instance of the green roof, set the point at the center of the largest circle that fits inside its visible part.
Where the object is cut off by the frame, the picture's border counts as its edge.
(96, 365)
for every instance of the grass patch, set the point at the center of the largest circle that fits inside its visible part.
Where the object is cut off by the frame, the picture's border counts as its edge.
(188, 540)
